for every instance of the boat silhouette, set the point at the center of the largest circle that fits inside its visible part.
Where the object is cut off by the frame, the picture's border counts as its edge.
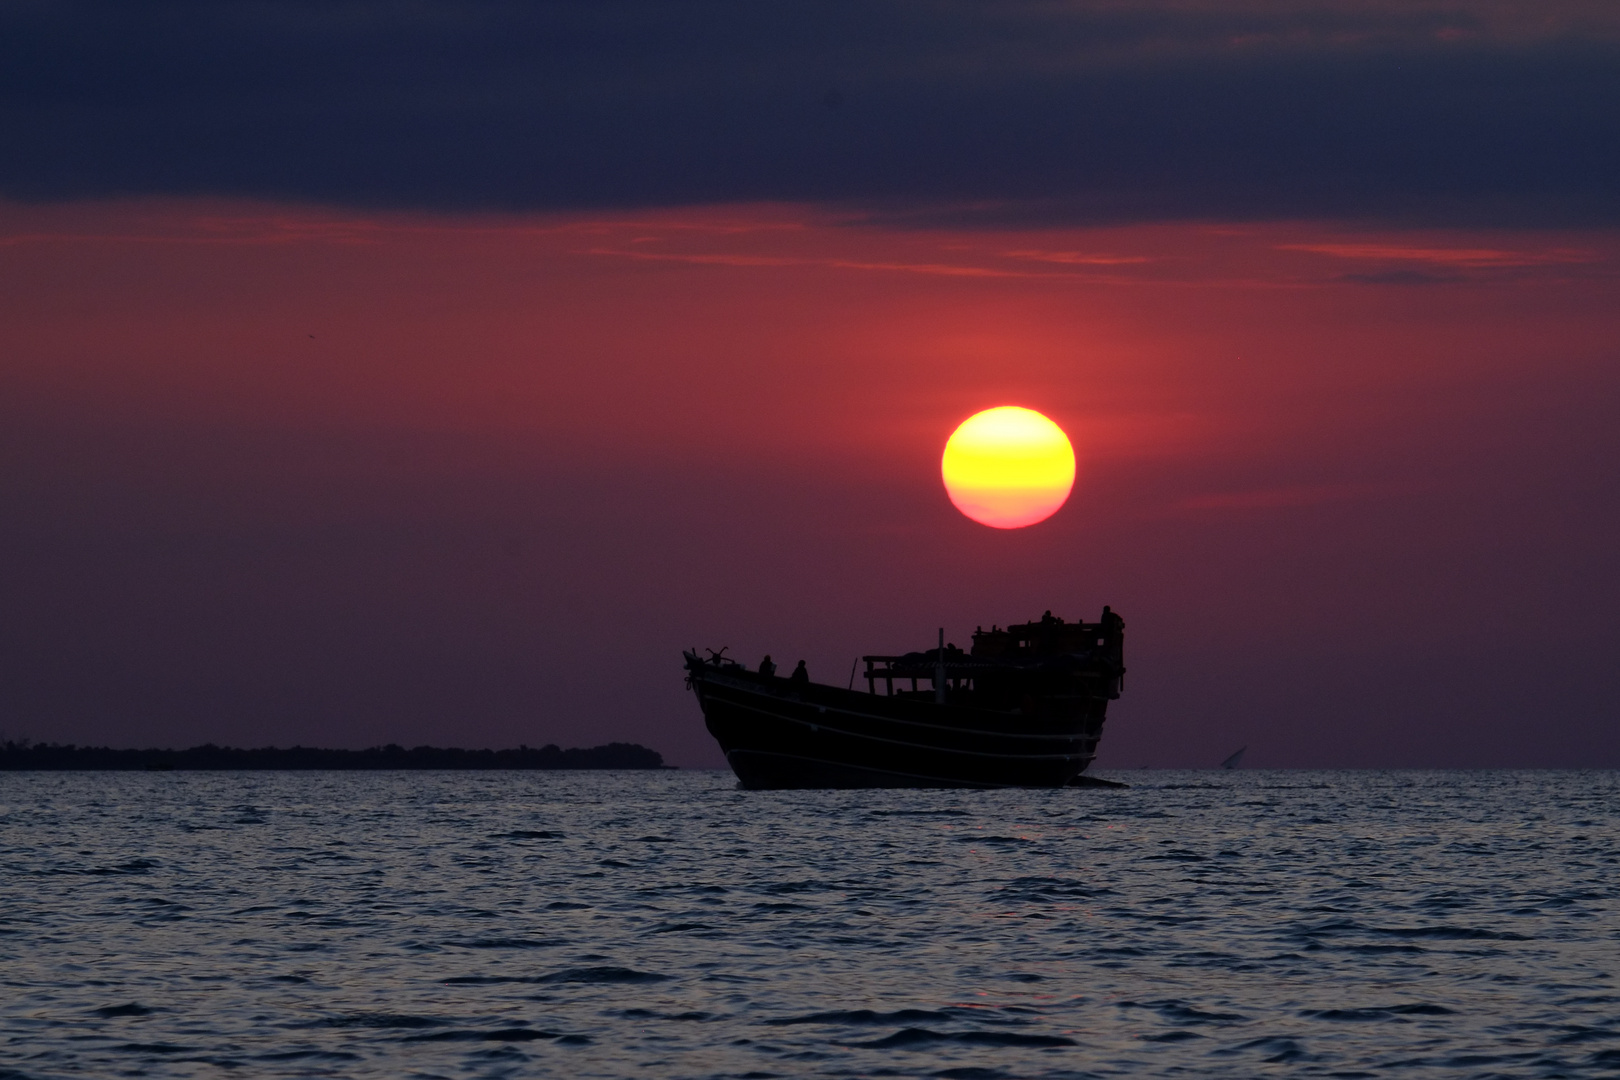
(1023, 708)
(1235, 760)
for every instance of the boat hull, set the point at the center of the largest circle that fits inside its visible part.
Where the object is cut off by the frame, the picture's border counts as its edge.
(777, 733)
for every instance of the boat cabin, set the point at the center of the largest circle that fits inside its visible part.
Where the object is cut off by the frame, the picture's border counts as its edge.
(1007, 667)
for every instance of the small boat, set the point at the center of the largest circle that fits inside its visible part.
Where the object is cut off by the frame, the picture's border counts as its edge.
(1023, 707)
(1235, 760)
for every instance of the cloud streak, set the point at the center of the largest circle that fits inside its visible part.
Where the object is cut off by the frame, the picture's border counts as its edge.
(1466, 258)
(929, 268)
(1301, 495)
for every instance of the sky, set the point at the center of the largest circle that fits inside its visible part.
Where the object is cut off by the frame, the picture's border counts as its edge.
(436, 373)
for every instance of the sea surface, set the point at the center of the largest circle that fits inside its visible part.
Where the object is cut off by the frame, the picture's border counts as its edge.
(665, 924)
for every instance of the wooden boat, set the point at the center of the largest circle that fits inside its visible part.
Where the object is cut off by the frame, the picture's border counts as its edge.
(1023, 708)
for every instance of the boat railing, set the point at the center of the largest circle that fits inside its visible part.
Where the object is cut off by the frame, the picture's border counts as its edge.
(961, 671)
(958, 670)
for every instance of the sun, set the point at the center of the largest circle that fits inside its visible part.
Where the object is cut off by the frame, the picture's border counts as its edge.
(1008, 467)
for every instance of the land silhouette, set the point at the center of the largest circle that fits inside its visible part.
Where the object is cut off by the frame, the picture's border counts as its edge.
(29, 756)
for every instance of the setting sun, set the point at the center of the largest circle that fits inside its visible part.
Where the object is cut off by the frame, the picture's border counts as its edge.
(1008, 467)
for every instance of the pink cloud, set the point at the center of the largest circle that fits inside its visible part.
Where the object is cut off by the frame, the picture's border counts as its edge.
(1462, 258)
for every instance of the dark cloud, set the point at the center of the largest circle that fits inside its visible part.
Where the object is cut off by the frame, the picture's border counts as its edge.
(1433, 112)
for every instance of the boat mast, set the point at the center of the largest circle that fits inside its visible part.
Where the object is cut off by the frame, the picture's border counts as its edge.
(939, 670)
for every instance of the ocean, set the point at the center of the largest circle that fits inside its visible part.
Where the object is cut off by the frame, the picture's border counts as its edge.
(666, 924)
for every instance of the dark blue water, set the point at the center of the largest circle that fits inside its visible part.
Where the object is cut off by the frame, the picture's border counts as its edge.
(1398, 924)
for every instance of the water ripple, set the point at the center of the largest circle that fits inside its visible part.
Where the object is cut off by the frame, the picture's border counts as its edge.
(1401, 924)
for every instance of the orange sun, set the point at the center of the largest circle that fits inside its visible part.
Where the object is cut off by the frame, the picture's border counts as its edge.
(1008, 467)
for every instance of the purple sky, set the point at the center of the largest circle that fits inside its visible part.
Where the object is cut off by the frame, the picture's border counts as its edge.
(437, 377)
(278, 476)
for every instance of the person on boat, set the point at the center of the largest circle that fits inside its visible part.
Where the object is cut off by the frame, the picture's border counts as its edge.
(766, 667)
(800, 674)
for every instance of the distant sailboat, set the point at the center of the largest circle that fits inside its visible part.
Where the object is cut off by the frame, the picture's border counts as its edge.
(1235, 760)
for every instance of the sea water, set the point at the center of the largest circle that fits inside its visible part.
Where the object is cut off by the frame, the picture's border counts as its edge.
(666, 924)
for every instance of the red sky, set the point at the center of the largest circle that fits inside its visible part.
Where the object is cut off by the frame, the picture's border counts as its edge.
(275, 474)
